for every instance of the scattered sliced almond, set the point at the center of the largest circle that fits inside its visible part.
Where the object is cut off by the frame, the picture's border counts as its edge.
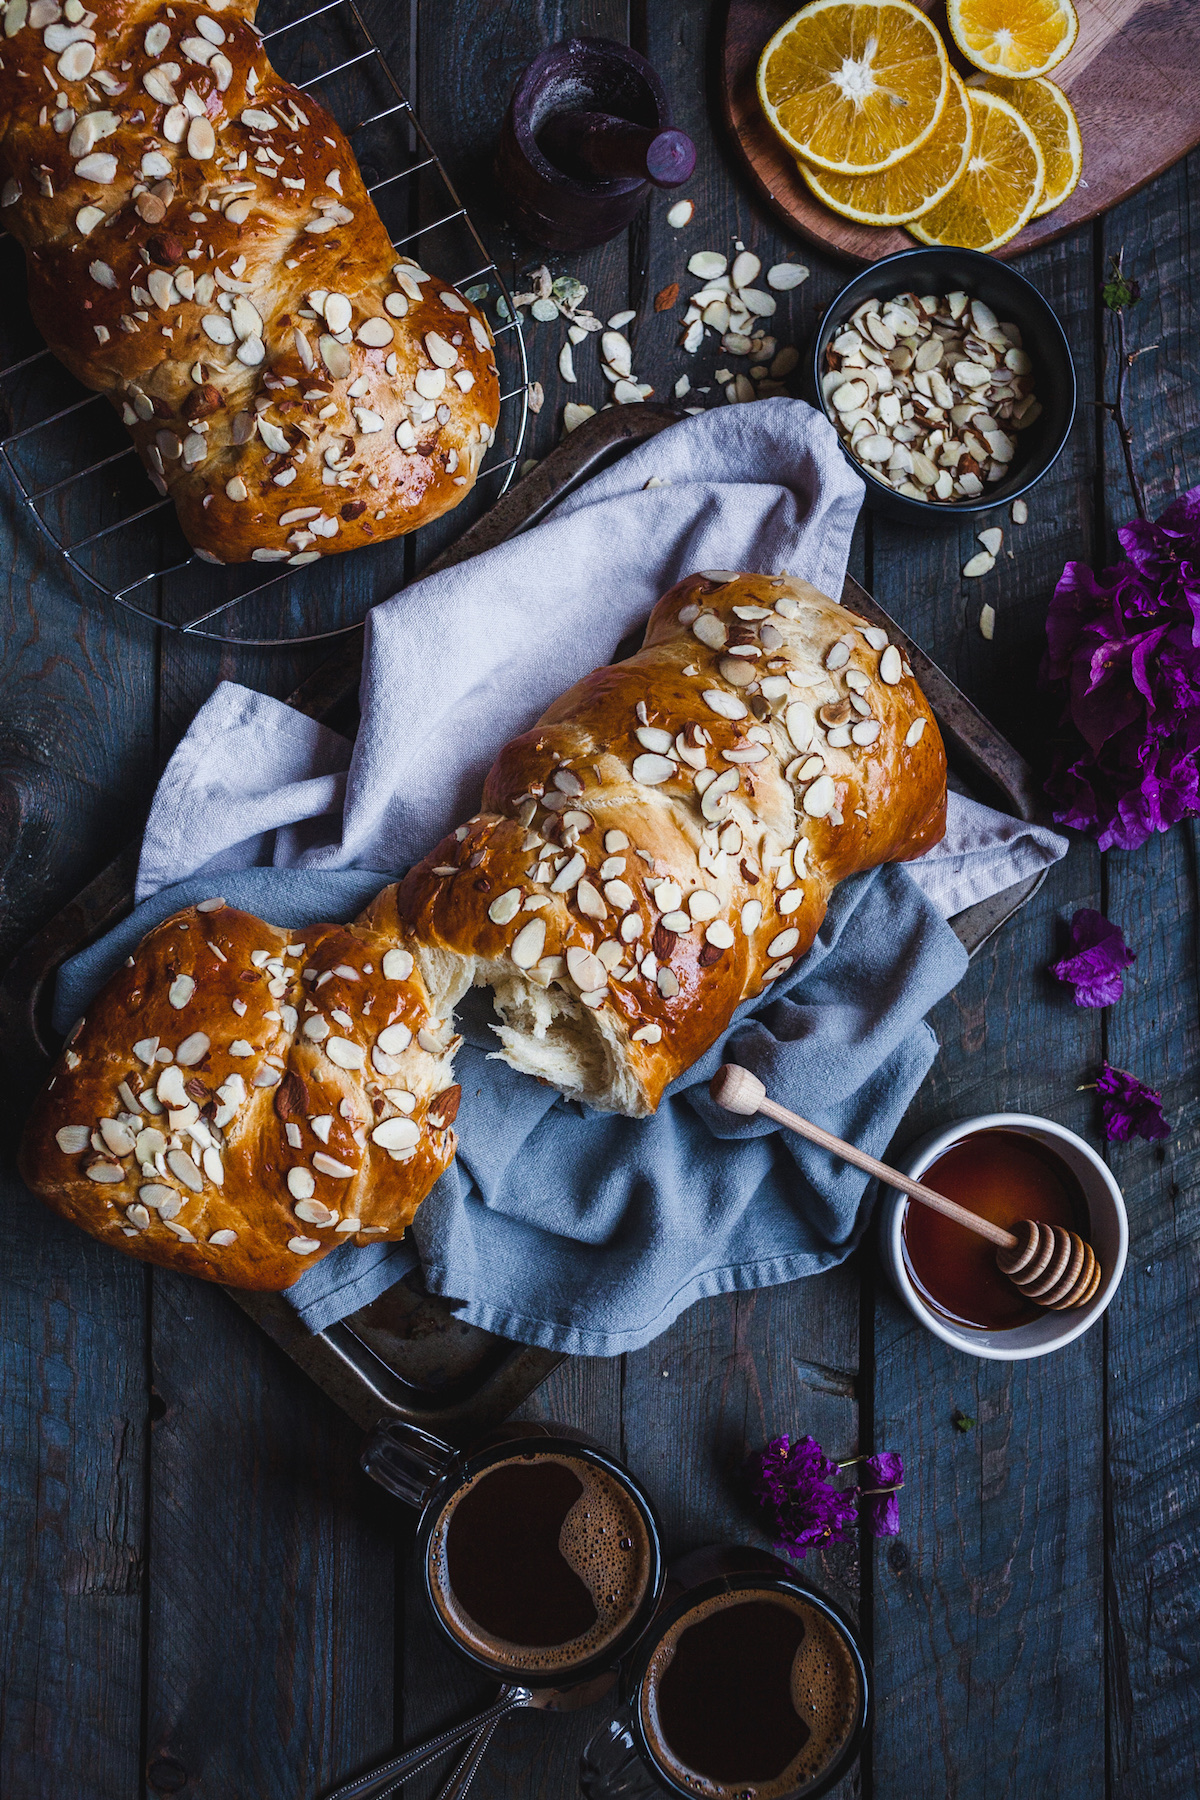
(574, 414)
(617, 353)
(782, 276)
(980, 564)
(991, 538)
(709, 265)
(566, 363)
(987, 622)
(680, 214)
(1020, 512)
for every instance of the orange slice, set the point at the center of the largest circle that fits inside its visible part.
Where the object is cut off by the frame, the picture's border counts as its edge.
(854, 85)
(1013, 37)
(1051, 117)
(1001, 186)
(911, 187)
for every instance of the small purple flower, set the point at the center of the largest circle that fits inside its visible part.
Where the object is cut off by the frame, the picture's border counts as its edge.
(883, 1510)
(883, 1514)
(1129, 1107)
(886, 1469)
(1100, 953)
(795, 1482)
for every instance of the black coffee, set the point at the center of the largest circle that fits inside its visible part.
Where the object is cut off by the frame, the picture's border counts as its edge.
(539, 1562)
(752, 1692)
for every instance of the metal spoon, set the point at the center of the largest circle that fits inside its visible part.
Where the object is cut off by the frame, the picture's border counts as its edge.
(381, 1781)
(461, 1775)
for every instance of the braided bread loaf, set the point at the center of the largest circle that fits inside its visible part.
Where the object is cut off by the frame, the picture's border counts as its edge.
(239, 1100)
(659, 847)
(663, 843)
(201, 249)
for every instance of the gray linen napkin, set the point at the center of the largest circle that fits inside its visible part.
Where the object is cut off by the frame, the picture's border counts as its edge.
(559, 1226)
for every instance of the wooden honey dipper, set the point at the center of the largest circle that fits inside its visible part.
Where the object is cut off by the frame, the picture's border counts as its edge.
(1046, 1263)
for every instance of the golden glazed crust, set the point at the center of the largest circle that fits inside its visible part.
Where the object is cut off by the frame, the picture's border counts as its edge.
(306, 1098)
(201, 249)
(663, 844)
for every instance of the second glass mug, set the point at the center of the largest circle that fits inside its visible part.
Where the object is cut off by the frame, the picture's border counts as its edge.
(630, 1756)
(436, 1478)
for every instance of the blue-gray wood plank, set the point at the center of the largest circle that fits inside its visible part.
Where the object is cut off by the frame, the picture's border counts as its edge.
(200, 1594)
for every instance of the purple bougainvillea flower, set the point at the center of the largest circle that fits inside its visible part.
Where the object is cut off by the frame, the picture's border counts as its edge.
(1129, 1107)
(886, 1469)
(1100, 953)
(794, 1481)
(1123, 664)
(886, 1472)
(883, 1514)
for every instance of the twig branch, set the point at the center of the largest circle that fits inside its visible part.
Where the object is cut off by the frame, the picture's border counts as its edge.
(1124, 364)
(1118, 294)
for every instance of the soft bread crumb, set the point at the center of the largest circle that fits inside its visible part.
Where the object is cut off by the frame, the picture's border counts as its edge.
(545, 1032)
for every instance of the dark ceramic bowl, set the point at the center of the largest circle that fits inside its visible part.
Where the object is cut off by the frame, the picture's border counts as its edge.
(1011, 297)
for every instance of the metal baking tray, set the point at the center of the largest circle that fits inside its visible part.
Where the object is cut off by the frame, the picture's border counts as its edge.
(407, 1355)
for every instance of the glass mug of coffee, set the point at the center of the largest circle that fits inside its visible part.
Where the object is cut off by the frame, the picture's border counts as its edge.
(540, 1555)
(748, 1686)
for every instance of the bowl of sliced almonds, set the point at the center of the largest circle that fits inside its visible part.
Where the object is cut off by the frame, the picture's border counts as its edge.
(949, 381)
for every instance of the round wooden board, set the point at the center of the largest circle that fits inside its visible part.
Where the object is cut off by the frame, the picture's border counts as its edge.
(1133, 78)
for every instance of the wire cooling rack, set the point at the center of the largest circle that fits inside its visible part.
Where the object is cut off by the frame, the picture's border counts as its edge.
(80, 478)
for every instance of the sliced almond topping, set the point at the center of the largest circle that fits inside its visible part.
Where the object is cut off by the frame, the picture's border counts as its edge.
(586, 971)
(726, 706)
(651, 770)
(819, 798)
(710, 630)
(650, 737)
(529, 943)
(396, 1134)
(505, 907)
(329, 1165)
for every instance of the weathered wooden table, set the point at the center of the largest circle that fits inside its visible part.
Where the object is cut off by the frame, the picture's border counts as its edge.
(200, 1592)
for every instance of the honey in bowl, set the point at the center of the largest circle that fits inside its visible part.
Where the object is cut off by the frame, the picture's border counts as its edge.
(1002, 1175)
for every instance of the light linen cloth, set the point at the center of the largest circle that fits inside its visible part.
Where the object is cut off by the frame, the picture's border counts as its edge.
(556, 1225)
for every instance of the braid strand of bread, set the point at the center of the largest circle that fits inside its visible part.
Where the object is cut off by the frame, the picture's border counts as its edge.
(239, 1100)
(663, 843)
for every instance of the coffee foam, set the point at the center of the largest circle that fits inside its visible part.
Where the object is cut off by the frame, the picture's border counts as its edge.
(825, 1694)
(590, 1542)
